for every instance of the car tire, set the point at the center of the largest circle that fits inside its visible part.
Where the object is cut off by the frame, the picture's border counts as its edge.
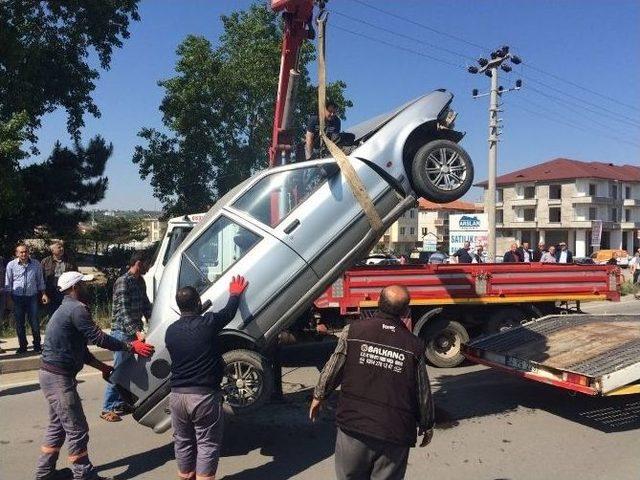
(443, 348)
(505, 319)
(247, 382)
(433, 180)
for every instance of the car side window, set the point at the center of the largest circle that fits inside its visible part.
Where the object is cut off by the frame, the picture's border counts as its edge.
(220, 246)
(178, 235)
(285, 191)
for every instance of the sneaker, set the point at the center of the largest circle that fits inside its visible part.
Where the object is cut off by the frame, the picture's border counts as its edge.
(21, 351)
(37, 349)
(63, 474)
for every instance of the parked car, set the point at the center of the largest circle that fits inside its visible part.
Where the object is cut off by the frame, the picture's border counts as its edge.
(292, 231)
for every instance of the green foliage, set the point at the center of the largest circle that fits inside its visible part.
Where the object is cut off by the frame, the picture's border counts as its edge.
(218, 111)
(115, 231)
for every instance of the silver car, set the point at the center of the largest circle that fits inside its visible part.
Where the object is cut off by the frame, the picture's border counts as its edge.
(291, 231)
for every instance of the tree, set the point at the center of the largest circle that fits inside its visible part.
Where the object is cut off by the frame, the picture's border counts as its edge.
(218, 112)
(115, 232)
(54, 192)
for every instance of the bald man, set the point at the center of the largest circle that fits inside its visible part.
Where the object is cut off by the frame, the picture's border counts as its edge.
(385, 394)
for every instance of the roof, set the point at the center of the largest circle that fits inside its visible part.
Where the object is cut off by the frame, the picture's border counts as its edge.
(567, 169)
(457, 205)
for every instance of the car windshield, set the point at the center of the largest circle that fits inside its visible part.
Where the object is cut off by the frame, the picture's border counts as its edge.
(275, 196)
(220, 246)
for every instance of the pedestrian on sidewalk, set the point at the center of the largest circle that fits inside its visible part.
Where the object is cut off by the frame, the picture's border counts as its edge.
(53, 266)
(385, 392)
(130, 304)
(24, 281)
(64, 355)
(196, 372)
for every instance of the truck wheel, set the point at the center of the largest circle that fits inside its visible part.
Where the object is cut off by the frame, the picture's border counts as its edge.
(443, 347)
(504, 319)
(441, 171)
(247, 382)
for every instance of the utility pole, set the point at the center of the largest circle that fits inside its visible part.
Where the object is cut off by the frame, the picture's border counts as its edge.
(499, 61)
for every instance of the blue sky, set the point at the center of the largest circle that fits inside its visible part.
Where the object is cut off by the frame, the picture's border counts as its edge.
(594, 44)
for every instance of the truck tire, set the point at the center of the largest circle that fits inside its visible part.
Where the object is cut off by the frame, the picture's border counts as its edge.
(504, 319)
(247, 382)
(444, 347)
(441, 171)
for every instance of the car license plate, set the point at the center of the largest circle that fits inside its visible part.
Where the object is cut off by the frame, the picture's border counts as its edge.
(519, 364)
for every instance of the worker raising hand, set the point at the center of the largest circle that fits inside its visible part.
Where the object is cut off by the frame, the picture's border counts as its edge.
(238, 285)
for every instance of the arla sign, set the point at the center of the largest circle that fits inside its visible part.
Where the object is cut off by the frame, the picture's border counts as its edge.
(467, 227)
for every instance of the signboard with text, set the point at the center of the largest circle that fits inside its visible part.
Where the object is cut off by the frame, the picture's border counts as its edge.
(467, 227)
(596, 233)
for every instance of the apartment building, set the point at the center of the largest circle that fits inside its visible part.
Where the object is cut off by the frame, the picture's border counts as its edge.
(429, 220)
(565, 200)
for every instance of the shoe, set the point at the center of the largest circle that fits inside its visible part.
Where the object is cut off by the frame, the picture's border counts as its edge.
(37, 349)
(21, 351)
(62, 474)
(110, 417)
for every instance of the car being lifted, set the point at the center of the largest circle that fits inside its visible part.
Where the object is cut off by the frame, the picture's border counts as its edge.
(290, 250)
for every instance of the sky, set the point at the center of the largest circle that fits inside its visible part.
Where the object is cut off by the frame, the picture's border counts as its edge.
(581, 76)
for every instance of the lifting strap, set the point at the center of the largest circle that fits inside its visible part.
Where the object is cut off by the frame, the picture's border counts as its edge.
(350, 175)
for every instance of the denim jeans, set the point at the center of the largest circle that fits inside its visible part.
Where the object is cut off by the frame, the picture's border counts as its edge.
(25, 309)
(112, 400)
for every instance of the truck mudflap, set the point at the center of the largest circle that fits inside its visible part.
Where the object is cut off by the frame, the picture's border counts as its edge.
(589, 354)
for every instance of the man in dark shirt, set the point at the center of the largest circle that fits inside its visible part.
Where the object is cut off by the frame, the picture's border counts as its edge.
(385, 393)
(53, 266)
(64, 355)
(512, 255)
(463, 254)
(332, 128)
(539, 252)
(197, 369)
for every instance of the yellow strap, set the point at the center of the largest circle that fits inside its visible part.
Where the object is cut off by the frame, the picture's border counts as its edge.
(350, 175)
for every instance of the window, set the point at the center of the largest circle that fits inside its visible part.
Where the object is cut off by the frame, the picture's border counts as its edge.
(402, 230)
(499, 216)
(424, 231)
(529, 192)
(529, 214)
(627, 192)
(218, 248)
(499, 195)
(593, 191)
(614, 214)
(613, 191)
(412, 213)
(176, 237)
(555, 192)
(291, 188)
(554, 215)
(627, 214)
(412, 231)
(593, 213)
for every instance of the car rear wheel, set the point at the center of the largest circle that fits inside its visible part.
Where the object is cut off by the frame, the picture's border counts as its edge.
(248, 381)
(444, 347)
(441, 171)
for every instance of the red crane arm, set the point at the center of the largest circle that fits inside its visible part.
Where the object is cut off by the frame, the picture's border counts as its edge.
(297, 16)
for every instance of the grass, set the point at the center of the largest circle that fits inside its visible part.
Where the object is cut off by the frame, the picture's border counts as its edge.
(628, 288)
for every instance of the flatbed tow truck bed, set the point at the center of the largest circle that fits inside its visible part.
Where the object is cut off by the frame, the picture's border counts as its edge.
(590, 354)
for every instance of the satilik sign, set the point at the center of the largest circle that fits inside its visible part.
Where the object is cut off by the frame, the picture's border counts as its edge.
(467, 227)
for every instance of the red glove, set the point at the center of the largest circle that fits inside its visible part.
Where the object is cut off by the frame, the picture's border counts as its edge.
(238, 285)
(141, 348)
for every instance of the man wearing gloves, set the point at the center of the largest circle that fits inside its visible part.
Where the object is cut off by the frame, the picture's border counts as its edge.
(196, 372)
(385, 393)
(64, 355)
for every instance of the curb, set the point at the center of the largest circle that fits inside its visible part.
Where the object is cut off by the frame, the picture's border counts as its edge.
(25, 364)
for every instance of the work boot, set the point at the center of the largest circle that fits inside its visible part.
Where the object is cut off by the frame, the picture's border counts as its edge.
(62, 474)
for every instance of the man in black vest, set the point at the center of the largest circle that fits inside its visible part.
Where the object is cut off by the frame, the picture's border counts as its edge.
(385, 393)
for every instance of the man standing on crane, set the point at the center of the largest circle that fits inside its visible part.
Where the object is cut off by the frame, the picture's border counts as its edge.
(332, 128)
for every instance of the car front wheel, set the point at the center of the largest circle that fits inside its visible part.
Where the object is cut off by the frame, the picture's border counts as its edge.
(248, 381)
(441, 171)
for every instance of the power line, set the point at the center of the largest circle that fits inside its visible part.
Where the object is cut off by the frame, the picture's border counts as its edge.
(572, 124)
(399, 47)
(528, 65)
(421, 25)
(573, 84)
(402, 35)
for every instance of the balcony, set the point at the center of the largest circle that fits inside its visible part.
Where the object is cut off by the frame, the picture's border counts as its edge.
(521, 223)
(630, 225)
(590, 199)
(631, 202)
(524, 202)
(440, 222)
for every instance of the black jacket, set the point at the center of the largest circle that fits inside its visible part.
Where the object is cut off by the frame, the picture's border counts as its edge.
(511, 257)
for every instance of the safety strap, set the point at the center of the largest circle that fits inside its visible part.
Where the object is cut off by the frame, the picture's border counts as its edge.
(350, 175)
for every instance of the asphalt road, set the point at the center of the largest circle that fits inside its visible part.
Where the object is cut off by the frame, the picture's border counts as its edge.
(490, 426)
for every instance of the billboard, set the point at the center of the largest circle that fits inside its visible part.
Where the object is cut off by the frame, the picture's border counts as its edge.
(467, 227)
(596, 233)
